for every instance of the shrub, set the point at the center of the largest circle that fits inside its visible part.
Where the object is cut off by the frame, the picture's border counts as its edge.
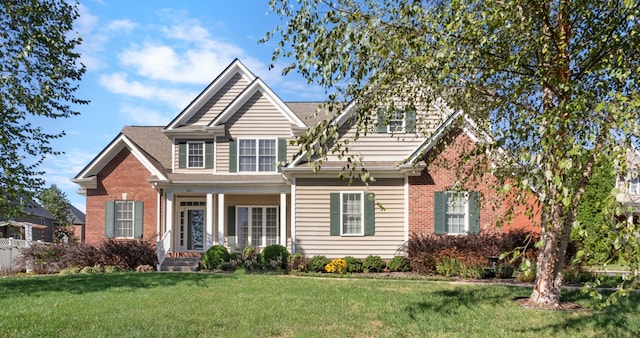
(399, 264)
(43, 257)
(111, 269)
(216, 255)
(317, 263)
(80, 255)
(127, 254)
(423, 262)
(337, 265)
(251, 259)
(448, 266)
(272, 253)
(373, 263)
(297, 262)
(353, 264)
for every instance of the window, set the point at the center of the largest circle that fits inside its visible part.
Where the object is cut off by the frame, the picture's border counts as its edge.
(195, 154)
(124, 219)
(352, 213)
(456, 212)
(396, 122)
(403, 121)
(257, 155)
(634, 185)
(257, 226)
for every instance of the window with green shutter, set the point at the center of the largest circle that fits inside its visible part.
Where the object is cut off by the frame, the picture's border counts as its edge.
(352, 214)
(124, 219)
(195, 154)
(456, 212)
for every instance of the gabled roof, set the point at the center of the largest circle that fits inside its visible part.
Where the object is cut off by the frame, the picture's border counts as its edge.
(77, 217)
(257, 85)
(236, 67)
(123, 141)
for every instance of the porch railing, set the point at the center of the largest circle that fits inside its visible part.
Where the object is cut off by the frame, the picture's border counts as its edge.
(163, 247)
(14, 243)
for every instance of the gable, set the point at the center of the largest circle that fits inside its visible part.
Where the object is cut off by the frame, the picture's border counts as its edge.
(218, 101)
(258, 117)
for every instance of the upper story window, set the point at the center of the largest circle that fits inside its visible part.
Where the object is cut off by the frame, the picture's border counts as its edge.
(195, 154)
(397, 122)
(257, 155)
(402, 121)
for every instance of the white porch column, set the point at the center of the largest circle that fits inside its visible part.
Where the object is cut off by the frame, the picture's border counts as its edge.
(169, 218)
(209, 219)
(293, 216)
(221, 224)
(283, 219)
(630, 218)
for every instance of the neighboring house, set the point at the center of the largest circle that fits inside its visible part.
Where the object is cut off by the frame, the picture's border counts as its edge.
(628, 184)
(77, 219)
(35, 216)
(212, 176)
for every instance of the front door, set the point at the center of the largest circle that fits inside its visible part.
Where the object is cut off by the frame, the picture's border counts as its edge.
(191, 224)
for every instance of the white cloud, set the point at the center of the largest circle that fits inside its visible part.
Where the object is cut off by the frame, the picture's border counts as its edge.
(92, 42)
(118, 83)
(121, 26)
(144, 116)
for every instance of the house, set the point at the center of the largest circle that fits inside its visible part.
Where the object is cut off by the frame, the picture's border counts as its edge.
(34, 218)
(77, 219)
(628, 185)
(223, 172)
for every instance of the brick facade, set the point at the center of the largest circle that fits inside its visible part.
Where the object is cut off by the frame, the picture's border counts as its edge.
(123, 174)
(443, 174)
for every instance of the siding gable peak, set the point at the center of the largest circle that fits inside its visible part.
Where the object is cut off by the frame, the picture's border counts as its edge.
(257, 85)
(236, 67)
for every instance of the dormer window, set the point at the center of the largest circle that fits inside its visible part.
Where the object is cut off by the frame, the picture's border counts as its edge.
(401, 121)
(634, 186)
(195, 151)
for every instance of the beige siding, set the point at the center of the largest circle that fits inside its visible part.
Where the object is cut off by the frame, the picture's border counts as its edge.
(259, 117)
(313, 225)
(219, 101)
(386, 146)
(222, 155)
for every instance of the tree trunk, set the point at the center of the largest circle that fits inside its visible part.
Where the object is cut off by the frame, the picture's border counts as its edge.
(555, 236)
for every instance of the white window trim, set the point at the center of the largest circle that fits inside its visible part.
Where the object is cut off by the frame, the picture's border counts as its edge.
(361, 233)
(188, 163)
(634, 190)
(116, 219)
(466, 212)
(264, 224)
(403, 128)
(257, 156)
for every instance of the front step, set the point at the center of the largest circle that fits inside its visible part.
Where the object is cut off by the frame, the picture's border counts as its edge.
(184, 264)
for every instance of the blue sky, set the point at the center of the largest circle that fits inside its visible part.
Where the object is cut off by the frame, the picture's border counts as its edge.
(146, 60)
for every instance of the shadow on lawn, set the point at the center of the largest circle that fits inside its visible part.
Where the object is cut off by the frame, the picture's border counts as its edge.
(619, 319)
(86, 283)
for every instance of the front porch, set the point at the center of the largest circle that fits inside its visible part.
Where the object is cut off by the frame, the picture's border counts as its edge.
(191, 221)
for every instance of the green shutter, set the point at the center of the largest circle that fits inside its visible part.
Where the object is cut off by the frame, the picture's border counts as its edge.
(382, 127)
(208, 155)
(231, 226)
(182, 155)
(334, 213)
(474, 213)
(410, 124)
(233, 156)
(109, 224)
(138, 218)
(439, 213)
(369, 214)
(282, 153)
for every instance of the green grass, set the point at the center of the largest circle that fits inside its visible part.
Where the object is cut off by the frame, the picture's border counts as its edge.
(239, 305)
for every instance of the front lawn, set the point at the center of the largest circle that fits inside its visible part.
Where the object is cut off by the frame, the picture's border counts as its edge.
(239, 305)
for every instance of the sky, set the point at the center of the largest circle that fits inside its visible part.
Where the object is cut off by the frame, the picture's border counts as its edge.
(146, 60)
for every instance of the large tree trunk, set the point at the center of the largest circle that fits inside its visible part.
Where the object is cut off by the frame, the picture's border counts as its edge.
(555, 236)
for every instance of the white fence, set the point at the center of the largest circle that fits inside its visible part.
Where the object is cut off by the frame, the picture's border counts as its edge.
(9, 253)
